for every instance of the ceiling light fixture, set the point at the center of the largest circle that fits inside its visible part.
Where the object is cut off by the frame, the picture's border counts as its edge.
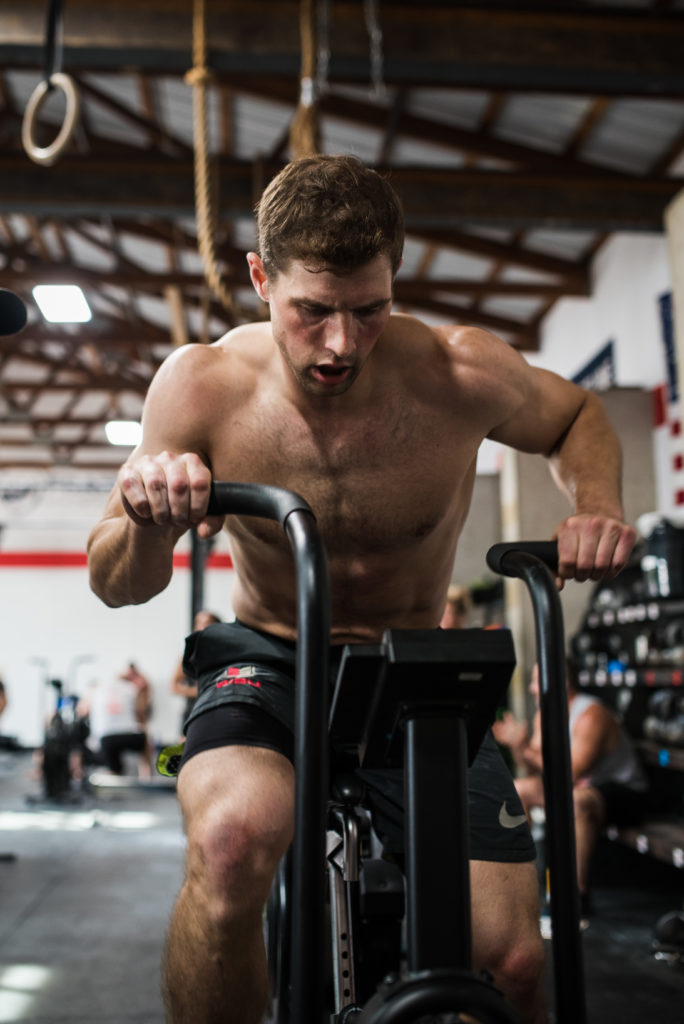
(125, 432)
(62, 303)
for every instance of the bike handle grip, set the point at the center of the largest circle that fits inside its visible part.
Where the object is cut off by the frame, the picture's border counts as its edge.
(545, 550)
(254, 500)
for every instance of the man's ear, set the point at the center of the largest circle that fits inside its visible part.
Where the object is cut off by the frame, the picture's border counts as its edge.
(258, 275)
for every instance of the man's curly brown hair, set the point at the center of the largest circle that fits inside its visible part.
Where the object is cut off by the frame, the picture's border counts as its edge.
(330, 212)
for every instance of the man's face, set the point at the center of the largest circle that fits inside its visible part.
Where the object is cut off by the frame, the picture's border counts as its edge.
(326, 325)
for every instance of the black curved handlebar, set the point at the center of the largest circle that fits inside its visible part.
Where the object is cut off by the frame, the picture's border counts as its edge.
(255, 500)
(536, 562)
(545, 550)
(311, 736)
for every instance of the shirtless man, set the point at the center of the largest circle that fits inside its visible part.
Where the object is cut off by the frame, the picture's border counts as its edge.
(376, 420)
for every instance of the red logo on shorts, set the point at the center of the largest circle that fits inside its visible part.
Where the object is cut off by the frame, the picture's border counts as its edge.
(243, 676)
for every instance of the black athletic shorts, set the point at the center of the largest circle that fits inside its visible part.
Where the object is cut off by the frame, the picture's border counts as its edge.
(246, 696)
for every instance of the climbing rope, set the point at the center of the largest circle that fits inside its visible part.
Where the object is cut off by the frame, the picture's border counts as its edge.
(200, 77)
(304, 129)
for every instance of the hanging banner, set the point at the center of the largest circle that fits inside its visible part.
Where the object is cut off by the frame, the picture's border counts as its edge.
(599, 372)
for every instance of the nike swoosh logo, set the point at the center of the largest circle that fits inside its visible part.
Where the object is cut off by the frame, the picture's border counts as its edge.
(507, 820)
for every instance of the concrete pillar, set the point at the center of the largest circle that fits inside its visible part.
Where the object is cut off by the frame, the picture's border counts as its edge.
(674, 226)
(674, 446)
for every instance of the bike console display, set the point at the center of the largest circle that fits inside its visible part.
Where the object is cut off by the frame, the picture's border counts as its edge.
(461, 673)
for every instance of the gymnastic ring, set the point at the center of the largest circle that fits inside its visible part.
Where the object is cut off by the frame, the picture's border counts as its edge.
(47, 155)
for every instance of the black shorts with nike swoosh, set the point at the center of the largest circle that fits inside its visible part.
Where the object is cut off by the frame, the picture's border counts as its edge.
(246, 696)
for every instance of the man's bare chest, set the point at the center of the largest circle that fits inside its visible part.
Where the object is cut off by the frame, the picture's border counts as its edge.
(379, 479)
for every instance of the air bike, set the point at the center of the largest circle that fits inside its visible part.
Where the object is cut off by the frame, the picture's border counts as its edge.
(338, 917)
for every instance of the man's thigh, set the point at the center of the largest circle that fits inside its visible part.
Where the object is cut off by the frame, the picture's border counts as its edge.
(243, 784)
(505, 908)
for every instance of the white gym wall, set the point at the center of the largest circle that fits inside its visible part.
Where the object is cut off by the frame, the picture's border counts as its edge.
(51, 621)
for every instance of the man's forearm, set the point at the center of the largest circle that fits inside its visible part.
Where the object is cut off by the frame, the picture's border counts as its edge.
(130, 564)
(587, 463)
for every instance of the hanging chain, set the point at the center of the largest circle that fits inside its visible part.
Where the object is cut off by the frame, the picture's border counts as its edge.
(372, 14)
(54, 42)
(323, 55)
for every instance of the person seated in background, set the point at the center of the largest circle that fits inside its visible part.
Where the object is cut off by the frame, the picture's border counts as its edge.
(457, 607)
(180, 684)
(609, 784)
(118, 712)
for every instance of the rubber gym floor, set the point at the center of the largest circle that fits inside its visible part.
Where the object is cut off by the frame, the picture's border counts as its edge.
(86, 891)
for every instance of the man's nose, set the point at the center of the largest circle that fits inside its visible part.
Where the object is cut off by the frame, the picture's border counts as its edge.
(339, 339)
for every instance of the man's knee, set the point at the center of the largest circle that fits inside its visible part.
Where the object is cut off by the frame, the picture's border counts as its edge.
(507, 941)
(518, 967)
(237, 833)
(587, 805)
(231, 862)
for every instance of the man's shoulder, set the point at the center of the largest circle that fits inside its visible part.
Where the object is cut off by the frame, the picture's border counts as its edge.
(468, 343)
(235, 344)
(245, 337)
(460, 341)
(411, 335)
(591, 712)
(459, 354)
(235, 353)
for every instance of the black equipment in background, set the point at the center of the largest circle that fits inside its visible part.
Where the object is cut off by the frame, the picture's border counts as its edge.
(64, 732)
(13, 314)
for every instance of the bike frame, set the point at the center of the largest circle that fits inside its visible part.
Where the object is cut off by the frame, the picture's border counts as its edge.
(532, 562)
(312, 754)
(311, 737)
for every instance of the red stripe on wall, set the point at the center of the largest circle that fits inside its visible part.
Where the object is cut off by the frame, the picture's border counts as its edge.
(222, 561)
(79, 559)
(43, 559)
(660, 405)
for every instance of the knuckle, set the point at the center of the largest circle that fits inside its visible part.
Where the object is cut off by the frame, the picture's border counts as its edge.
(156, 483)
(593, 526)
(178, 485)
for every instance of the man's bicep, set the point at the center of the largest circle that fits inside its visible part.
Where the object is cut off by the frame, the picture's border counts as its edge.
(547, 408)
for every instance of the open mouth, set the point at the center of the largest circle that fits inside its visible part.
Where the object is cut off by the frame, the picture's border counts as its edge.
(331, 374)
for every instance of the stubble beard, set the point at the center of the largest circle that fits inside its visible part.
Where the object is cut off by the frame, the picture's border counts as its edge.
(308, 383)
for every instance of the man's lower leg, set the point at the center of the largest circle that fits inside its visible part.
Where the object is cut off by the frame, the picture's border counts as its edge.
(213, 974)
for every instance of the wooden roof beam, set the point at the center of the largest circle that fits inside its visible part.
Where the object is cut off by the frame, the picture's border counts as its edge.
(432, 196)
(576, 283)
(538, 46)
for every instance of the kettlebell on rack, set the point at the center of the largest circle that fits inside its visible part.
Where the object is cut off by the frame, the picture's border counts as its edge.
(669, 932)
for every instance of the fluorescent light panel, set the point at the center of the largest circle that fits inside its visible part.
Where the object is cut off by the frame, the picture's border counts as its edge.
(125, 432)
(62, 303)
